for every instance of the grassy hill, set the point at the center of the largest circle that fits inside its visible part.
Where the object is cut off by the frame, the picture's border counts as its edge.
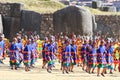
(50, 6)
(41, 6)
(98, 12)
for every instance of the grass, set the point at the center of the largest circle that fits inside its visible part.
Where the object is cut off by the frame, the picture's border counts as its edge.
(47, 6)
(41, 6)
(98, 12)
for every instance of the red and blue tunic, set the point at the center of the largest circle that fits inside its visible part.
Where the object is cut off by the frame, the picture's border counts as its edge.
(109, 57)
(101, 56)
(73, 53)
(27, 55)
(83, 52)
(92, 57)
(44, 48)
(14, 54)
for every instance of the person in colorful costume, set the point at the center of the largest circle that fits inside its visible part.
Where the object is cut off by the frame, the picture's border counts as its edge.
(20, 49)
(101, 61)
(67, 56)
(92, 59)
(14, 54)
(34, 52)
(2, 48)
(83, 54)
(116, 56)
(44, 51)
(73, 55)
(27, 55)
(79, 45)
(109, 57)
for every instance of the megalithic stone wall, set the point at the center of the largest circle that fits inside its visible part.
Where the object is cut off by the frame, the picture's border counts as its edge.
(109, 24)
(11, 26)
(73, 19)
(11, 16)
(10, 9)
(30, 21)
(46, 25)
(70, 19)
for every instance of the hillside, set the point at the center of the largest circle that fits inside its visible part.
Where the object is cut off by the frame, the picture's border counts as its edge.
(50, 6)
(41, 6)
(98, 12)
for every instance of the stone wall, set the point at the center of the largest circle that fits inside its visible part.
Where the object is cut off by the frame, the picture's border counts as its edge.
(11, 17)
(30, 21)
(109, 24)
(46, 25)
(10, 9)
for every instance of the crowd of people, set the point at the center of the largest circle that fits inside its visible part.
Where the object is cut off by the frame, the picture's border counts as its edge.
(68, 49)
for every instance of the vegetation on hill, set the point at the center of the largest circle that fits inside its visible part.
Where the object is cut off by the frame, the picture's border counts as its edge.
(98, 12)
(50, 6)
(41, 6)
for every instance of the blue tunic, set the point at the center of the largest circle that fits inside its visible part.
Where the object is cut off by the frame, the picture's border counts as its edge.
(64, 59)
(14, 55)
(20, 48)
(109, 57)
(83, 52)
(101, 55)
(73, 52)
(1, 48)
(88, 52)
(92, 55)
(68, 53)
(34, 50)
(43, 50)
(51, 50)
(27, 53)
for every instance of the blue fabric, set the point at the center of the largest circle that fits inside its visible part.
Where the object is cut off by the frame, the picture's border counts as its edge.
(101, 55)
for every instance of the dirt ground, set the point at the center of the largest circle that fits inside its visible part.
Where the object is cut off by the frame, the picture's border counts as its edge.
(38, 73)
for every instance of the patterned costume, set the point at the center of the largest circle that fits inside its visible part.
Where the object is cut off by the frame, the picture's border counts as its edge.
(101, 61)
(73, 54)
(67, 56)
(14, 54)
(44, 51)
(92, 55)
(27, 55)
(20, 49)
(59, 50)
(39, 46)
(83, 53)
(109, 57)
(79, 44)
(34, 52)
(116, 55)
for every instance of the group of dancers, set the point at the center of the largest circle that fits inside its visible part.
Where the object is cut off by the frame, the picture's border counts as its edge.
(22, 48)
(69, 50)
(89, 53)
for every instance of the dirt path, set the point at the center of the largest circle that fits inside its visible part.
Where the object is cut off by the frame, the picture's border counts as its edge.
(41, 74)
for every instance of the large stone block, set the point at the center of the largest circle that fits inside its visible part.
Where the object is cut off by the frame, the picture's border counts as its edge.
(11, 26)
(31, 21)
(1, 25)
(73, 19)
(10, 9)
(15, 9)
